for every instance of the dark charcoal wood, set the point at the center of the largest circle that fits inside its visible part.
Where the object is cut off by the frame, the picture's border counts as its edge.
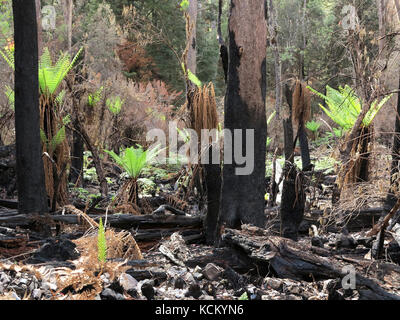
(127, 221)
(242, 196)
(11, 218)
(288, 259)
(30, 173)
(147, 274)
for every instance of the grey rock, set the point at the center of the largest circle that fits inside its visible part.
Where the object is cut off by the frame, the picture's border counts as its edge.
(37, 294)
(108, 294)
(194, 291)
(273, 283)
(198, 276)
(189, 278)
(212, 272)
(49, 286)
(179, 283)
(128, 282)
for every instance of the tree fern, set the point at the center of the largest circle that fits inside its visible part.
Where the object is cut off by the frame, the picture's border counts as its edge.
(133, 160)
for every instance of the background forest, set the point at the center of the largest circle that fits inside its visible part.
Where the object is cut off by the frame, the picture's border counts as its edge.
(326, 176)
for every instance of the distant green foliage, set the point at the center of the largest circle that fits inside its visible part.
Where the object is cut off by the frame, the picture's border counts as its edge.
(184, 5)
(313, 126)
(101, 243)
(94, 99)
(114, 104)
(344, 106)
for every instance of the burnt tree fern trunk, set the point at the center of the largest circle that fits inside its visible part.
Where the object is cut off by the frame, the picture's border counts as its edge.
(242, 196)
(293, 197)
(32, 196)
(391, 198)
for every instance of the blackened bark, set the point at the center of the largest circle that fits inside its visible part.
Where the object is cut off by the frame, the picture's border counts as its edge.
(391, 198)
(77, 160)
(30, 173)
(288, 127)
(223, 50)
(293, 202)
(304, 149)
(293, 197)
(242, 196)
(213, 185)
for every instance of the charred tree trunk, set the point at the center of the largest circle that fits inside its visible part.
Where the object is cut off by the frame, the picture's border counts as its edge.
(242, 196)
(304, 149)
(76, 175)
(213, 185)
(293, 197)
(30, 173)
(39, 26)
(223, 50)
(68, 9)
(391, 198)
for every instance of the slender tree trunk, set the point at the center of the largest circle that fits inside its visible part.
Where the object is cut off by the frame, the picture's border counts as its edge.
(213, 183)
(32, 196)
(242, 196)
(192, 51)
(223, 50)
(77, 160)
(68, 9)
(293, 198)
(381, 18)
(391, 198)
(273, 32)
(39, 26)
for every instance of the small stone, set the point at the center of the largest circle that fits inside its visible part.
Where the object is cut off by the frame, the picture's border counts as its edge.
(128, 282)
(179, 283)
(148, 290)
(197, 269)
(194, 291)
(275, 284)
(108, 294)
(198, 276)
(317, 242)
(189, 278)
(15, 296)
(49, 286)
(4, 278)
(293, 297)
(37, 294)
(23, 281)
(212, 272)
(209, 289)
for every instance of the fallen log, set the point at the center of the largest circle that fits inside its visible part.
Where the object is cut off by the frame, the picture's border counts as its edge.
(11, 218)
(288, 259)
(127, 221)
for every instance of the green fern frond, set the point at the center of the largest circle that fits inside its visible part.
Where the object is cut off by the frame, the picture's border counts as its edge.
(8, 56)
(134, 160)
(58, 138)
(51, 76)
(101, 243)
(43, 136)
(11, 96)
